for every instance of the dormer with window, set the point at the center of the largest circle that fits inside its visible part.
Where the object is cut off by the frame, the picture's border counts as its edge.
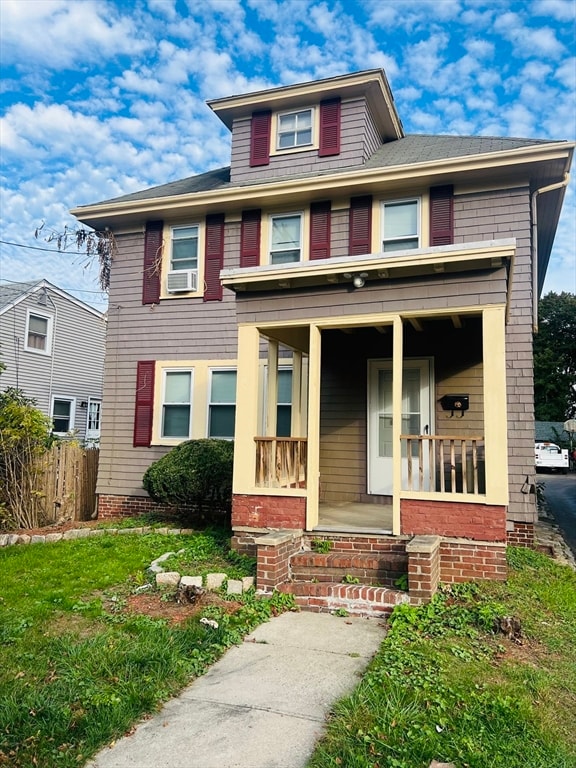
(325, 125)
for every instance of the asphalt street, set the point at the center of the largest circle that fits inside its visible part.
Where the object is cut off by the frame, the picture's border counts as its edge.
(560, 494)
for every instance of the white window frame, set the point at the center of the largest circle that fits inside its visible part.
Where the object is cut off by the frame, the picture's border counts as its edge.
(173, 229)
(408, 238)
(210, 404)
(286, 215)
(49, 330)
(64, 399)
(163, 403)
(295, 144)
(93, 438)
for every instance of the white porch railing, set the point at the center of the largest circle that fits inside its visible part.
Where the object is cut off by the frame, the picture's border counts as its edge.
(281, 462)
(444, 464)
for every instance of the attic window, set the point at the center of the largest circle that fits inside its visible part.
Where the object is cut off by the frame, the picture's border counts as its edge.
(294, 129)
(38, 333)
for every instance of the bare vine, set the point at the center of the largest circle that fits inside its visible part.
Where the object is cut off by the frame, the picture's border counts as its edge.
(96, 245)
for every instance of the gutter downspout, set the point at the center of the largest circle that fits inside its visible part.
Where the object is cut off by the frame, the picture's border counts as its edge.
(534, 196)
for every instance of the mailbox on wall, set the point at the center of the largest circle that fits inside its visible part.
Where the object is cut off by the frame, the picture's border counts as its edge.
(455, 403)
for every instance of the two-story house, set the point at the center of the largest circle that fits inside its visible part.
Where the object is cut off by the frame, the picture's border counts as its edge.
(52, 346)
(355, 307)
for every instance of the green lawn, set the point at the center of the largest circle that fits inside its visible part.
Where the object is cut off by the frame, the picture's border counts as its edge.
(444, 686)
(76, 669)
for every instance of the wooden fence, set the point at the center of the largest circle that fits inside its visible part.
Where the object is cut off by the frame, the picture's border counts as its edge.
(281, 462)
(66, 484)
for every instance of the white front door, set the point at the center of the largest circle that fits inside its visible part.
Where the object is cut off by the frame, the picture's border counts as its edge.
(93, 421)
(416, 418)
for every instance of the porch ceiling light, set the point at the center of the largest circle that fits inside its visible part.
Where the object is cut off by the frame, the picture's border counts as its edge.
(358, 279)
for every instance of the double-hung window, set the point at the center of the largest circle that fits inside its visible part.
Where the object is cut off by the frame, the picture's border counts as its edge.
(401, 225)
(285, 238)
(294, 129)
(222, 404)
(184, 253)
(177, 404)
(63, 415)
(284, 403)
(38, 333)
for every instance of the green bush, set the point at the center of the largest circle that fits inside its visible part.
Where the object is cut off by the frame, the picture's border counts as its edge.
(196, 474)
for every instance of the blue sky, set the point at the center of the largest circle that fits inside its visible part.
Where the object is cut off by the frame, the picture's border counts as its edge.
(105, 97)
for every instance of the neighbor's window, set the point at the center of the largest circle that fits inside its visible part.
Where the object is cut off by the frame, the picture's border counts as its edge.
(62, 415)
(222, 405)
(37, 333)
(401, 225)
(177, 404)
(286, 238)
(294, 129)
(184, 254)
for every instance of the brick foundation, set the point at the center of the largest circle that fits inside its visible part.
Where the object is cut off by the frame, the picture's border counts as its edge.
(481, 522)
(520, 534)
(472, 561)
(128, 506)
(268, 512)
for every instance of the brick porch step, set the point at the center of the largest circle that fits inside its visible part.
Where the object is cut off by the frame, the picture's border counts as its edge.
(356, 599)
(381, 568)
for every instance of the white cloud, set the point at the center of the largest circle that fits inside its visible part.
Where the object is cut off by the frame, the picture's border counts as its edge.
(528, 42)
(563, 10)
(60, 34)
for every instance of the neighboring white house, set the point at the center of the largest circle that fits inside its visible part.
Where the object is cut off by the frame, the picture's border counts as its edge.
(52, 346)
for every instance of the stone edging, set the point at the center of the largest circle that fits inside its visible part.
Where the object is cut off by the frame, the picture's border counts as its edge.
(9, 539)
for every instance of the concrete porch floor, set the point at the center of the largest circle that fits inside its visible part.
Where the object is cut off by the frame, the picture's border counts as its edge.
(354, 517)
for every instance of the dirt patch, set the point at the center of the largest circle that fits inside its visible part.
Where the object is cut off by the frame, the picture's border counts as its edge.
(158, 607)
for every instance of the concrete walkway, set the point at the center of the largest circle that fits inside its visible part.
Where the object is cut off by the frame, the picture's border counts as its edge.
(263, 705)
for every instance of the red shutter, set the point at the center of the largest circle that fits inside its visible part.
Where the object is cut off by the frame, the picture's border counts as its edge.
(250, 238)
(152, 261)
(442, 215)
(260, 138)
(329, 128)
(144, 408)
(214, 257)
(360, 234)
(320, 230)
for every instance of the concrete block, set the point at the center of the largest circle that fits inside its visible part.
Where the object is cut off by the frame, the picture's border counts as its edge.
(168, 579)
(215, 580)
(191, 581)
(234, 587)
(53, 537)
(38, 539)
(247, 583)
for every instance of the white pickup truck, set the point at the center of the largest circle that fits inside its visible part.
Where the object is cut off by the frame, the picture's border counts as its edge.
(550, 456)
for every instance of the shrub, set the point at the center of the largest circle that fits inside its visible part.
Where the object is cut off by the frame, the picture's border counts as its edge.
(24, 438)
(196, 474)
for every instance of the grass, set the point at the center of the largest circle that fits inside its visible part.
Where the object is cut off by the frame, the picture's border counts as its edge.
(76, 669)
(445, 686)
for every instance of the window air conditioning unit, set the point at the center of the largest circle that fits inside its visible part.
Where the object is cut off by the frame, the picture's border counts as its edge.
(181, 281)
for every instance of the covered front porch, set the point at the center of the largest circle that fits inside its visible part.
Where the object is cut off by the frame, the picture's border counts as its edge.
(373, 424)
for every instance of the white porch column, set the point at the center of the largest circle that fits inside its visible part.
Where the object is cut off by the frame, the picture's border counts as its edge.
(272, 389)
(495, 410)
(397, 365)
(313, 472)
(246, 428)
